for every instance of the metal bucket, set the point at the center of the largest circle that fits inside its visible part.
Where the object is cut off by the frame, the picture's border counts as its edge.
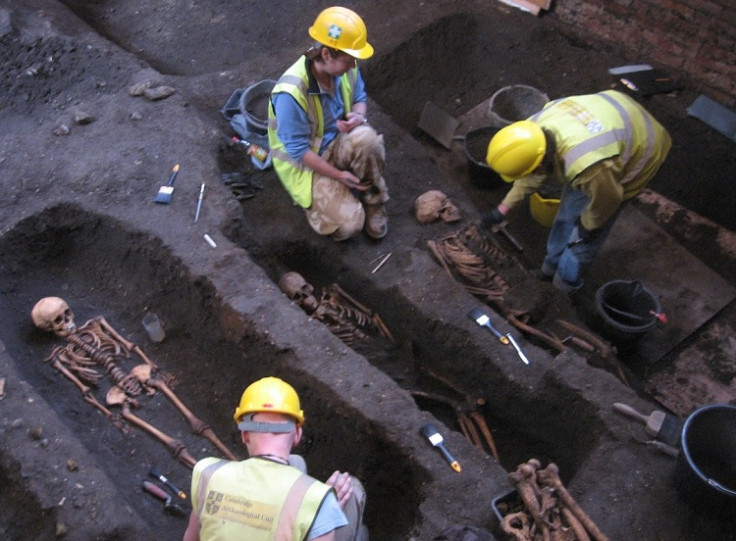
(254, 105)
(476, 147)
(705, 472)
(515, 102)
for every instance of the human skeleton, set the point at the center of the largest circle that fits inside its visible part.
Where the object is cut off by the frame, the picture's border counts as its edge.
(97, 345)
(342, 314)
(468, 257)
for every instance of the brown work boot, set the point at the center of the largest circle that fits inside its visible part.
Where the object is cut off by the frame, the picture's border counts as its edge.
(376, 221)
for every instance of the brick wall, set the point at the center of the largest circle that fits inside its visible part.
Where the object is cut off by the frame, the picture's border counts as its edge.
(695, 38)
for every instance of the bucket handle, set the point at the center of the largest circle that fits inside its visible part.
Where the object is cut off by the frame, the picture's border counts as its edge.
(624, 313)
(714, 483)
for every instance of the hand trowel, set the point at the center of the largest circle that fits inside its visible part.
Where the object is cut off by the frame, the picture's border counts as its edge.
(436, 439)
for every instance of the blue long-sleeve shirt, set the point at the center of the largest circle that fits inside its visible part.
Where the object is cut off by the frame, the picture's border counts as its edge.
(293, 124)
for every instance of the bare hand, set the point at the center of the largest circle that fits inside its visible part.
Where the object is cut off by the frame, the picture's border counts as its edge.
(351, 181)
(353, 120)
(343, 485)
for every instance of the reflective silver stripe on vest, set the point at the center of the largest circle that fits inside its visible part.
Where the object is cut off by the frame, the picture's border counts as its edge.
(648, 149)
(314, 140)
(290, 509)
(589, 145)
(353, 76)
(295, 81)
(592, 144)
(204, 481)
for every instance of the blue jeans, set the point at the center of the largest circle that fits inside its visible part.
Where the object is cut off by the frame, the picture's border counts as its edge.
(568, 265)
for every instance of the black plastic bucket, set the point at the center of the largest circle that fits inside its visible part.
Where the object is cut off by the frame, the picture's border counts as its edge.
(627, 306)
(254, 103)
(627, 310)
(705, 472)
(476, 147)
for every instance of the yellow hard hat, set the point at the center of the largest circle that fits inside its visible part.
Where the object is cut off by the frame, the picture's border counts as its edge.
(269, 395)
(516, 150)
(344, 30)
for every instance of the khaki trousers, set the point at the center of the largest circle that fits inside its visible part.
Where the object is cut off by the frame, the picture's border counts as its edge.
(336, 209)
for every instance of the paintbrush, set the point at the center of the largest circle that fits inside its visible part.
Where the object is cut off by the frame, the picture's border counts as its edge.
(482, 319)
(436, 439)
(658, 424)
(165, 192)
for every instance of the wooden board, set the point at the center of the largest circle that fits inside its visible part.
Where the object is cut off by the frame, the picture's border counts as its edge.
(532, 6)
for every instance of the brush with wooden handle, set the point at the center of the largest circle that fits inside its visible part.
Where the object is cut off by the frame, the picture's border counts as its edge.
(658, 424)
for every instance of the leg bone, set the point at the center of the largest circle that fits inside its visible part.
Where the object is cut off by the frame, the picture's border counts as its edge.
(116, 396)
(199, 427)
(550, 477)
(524, 478)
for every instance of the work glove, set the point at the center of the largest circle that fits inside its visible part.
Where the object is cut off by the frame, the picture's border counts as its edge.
(581, 235)
(491, 218)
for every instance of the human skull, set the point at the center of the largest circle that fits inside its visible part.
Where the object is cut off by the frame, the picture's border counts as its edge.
(298, 290)
(435, 204)
(53, 314)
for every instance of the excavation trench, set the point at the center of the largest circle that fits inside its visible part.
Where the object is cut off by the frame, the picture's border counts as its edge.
(209, 355)
(100, 268)
(85, 235)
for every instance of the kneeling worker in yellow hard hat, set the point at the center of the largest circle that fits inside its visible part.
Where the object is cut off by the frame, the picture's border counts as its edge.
(604, 148)
(325, 153)
(269, 496)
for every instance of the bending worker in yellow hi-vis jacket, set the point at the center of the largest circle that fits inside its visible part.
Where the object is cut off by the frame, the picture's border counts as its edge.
(269, 496)
(604, 148)
(325, 153)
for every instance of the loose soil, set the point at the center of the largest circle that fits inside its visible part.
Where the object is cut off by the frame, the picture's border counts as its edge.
(81, 160)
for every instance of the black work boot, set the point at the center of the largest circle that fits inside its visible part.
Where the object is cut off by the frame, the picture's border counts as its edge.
(376, 221)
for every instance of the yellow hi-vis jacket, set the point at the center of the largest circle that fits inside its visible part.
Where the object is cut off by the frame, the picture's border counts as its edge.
(295, 81)
(255, 499)
(593, 127)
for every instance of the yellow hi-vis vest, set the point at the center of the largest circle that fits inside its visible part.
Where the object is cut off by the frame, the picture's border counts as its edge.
(255, 499)
(593, 127)
(295, 81)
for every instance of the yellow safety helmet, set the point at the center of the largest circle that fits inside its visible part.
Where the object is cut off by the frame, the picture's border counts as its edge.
(344, 30)
(516, 150)
(269, 395)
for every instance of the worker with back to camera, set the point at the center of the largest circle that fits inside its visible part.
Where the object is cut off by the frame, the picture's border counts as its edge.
(269, 496)
(325, 153)
(604, 148)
